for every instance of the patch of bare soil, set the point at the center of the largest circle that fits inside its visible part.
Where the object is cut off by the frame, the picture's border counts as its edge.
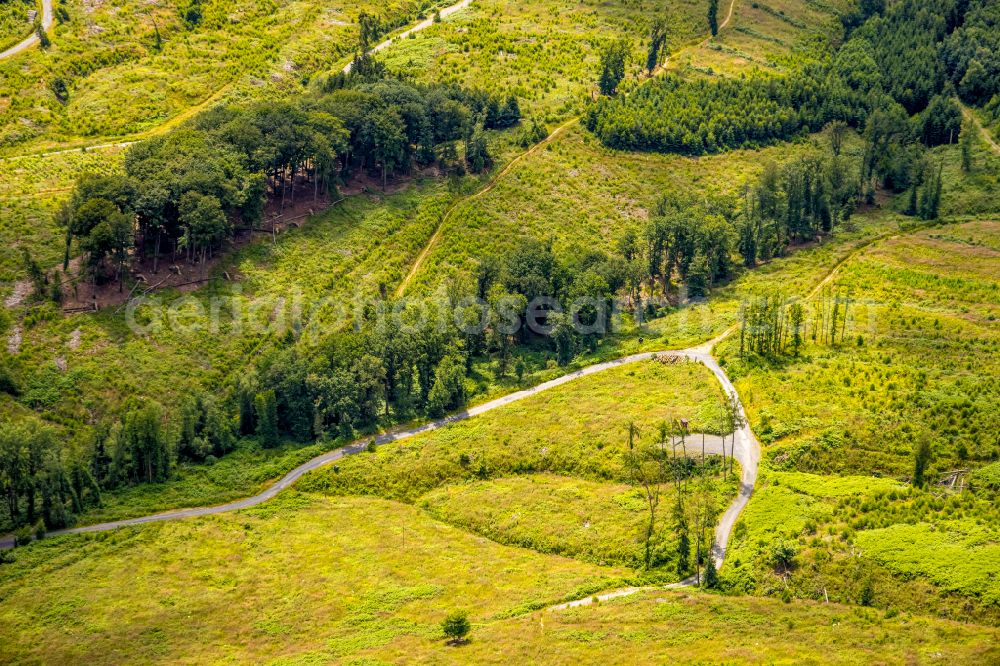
(21, 291)
(14, 340)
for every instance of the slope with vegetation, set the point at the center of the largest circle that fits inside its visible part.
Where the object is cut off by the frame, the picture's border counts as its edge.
(116, 71)
(905, 391)
(812, 217)
(545, 52)
(317, 579)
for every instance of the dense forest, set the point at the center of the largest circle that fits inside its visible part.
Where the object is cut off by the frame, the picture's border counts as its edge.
(913, 54)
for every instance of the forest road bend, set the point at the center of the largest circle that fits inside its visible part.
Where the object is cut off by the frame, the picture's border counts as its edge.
(31, 39)
(983, 132)
(423, 25)
(747, 452)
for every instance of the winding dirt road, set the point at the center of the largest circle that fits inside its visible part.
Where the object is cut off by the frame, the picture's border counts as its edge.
(423, 25)
(31, 39)
(983, 132)
(747, 450)
(188, 113)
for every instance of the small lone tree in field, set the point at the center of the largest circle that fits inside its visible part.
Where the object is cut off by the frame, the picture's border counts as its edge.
(921, 458)
(711, 579)
(966, 137)
(614, 58)
(713, 16)
(456, 627)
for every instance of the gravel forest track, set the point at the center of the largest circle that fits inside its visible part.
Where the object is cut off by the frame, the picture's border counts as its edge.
(31, 39)
(423, 25)
(983, 132)
(193, 110)
(747, 450)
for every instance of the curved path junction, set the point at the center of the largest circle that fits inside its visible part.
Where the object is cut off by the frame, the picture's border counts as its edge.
(31, 39)
(747, 450)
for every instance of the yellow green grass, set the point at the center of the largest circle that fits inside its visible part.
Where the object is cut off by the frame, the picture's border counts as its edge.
(120, 83)
(300, 577)
(579, 429)
(307, 579)
(597, 522)
(546, 52)
(576, 193)
(31, 189)
(686, 627)
(547, 472)
(772, 35)
(14, 24)
(343, 253)
(872, 541)
(922, 336)
(918, 363)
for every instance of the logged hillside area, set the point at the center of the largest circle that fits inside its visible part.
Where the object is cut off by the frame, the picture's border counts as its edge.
(555, 331)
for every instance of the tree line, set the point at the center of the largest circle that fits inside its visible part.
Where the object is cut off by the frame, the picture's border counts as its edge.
(914, 55)
(699, 244)
(184, 193)
(399, 361)
(406, 359)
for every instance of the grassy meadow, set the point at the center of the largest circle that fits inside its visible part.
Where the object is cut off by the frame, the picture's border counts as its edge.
(773, 36)
(918, 355)
(558, 485)
(301, 578)
(688, 627)
(545, 52)
(308, 579)
(587, 520)
(31, 189)
(840, 426)
(527, 505)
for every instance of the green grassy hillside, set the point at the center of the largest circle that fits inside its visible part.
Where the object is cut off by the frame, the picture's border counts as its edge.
(309, 579)
(918, 364)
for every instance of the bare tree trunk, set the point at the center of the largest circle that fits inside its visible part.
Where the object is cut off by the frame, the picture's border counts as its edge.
(284, 187)
(156, 251)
